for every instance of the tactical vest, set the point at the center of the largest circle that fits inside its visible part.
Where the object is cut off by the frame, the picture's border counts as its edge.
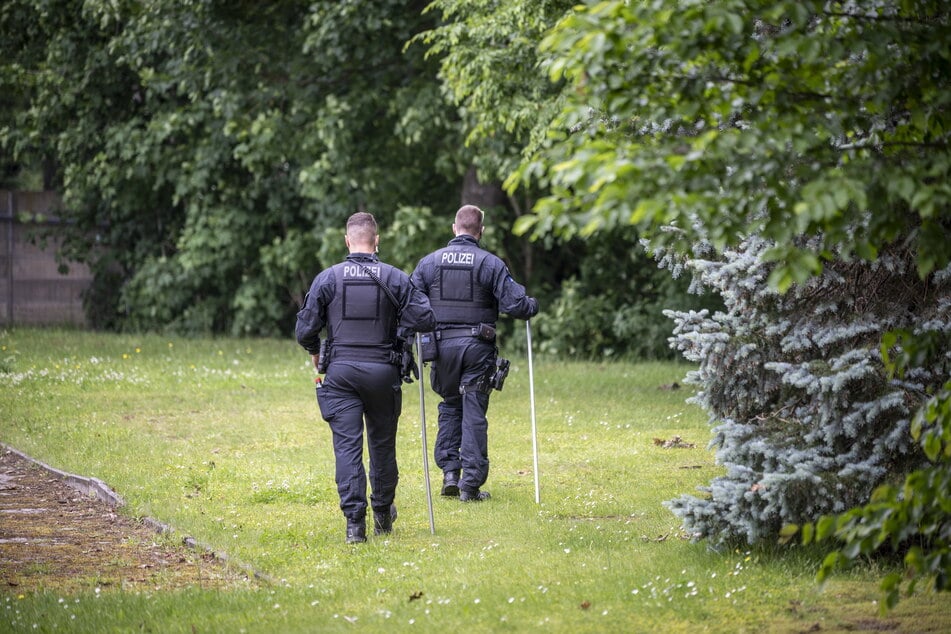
(455, 293)
(361, 319)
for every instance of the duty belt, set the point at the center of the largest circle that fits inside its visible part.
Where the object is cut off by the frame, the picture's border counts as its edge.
(455, 333)
(354, 352)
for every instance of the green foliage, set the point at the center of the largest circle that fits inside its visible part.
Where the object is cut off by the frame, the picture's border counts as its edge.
(779, 118)
(822, 128)
(488, 62)
(914, 518)
(205, 149)
(612, 307)
(207, 171)
(606, 296)
(413, 233)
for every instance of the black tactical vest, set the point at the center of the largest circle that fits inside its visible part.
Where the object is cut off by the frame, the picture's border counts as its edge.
(455, 293)
(361, 319)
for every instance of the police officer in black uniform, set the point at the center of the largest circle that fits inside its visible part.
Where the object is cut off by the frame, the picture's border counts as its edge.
(467, 287)
(369, 309)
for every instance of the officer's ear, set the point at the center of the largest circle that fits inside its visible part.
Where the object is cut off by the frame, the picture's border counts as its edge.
(376, 243)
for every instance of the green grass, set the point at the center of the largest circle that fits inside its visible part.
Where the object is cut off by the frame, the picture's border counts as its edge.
(222, 440)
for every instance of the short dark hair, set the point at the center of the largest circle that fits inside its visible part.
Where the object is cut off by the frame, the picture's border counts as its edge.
(469, 219)
(361, 227)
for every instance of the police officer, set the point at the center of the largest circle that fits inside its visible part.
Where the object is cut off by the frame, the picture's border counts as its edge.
(467, 287)
(363, 303)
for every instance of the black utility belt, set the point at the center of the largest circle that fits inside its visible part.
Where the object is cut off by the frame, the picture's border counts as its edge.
(485, 332)
(455, 333)
(344, 352)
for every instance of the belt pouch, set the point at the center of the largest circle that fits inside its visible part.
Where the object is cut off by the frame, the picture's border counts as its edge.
(428, 349)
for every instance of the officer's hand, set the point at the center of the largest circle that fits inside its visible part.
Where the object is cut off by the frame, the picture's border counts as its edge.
(316, 359)
(408, 368)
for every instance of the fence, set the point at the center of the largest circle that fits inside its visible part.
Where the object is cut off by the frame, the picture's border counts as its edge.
(32, 290)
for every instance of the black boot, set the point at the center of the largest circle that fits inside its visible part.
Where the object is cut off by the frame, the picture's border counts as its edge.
(356, 531)
(383, 522)
(450, 483)
(473, 496)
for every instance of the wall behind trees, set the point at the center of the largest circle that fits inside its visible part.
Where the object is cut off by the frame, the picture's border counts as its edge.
(35, 287)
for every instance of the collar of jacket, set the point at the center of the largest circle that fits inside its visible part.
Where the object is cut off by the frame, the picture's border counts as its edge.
(368, 257)
(464, 238)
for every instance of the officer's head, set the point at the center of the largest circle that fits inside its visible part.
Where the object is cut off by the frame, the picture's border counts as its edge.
(362, 234)
(469, 221)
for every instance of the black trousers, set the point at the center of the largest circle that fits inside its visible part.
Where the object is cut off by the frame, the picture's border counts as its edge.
(357, 395)
(462, 441)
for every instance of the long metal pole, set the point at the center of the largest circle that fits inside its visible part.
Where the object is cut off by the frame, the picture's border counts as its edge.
(531, 400)
(422, 419)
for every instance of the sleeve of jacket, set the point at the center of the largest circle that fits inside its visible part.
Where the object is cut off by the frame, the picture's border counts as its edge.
(511, 295)
(421, 277)
(312, 317)
(417, 314)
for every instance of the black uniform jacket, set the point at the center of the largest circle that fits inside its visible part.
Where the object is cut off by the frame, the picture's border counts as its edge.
(416, 314)
(493, 275)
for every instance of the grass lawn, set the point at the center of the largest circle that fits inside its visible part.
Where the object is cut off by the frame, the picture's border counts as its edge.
(221, 439)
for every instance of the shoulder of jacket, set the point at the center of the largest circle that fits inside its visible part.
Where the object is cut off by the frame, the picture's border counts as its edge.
(327, 274)
(396, 271)
(491, 257)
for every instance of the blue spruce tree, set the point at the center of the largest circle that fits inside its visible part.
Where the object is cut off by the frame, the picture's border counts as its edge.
(807, 419)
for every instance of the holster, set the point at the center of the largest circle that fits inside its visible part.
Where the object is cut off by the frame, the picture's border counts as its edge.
(492, 379)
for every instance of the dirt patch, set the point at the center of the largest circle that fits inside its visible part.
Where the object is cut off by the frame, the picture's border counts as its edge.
(55, 537)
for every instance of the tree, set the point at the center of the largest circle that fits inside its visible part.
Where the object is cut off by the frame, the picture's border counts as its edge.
(604, 292)
(913, 518)
(207, 171)
(803, 148)
(487, 68)
(777, 118)
(209, 150)
(808, 421)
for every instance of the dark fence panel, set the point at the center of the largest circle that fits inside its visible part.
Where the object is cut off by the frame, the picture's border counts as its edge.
(32, 290)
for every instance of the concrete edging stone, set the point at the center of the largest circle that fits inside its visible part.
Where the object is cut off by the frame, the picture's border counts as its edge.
(99, 489)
